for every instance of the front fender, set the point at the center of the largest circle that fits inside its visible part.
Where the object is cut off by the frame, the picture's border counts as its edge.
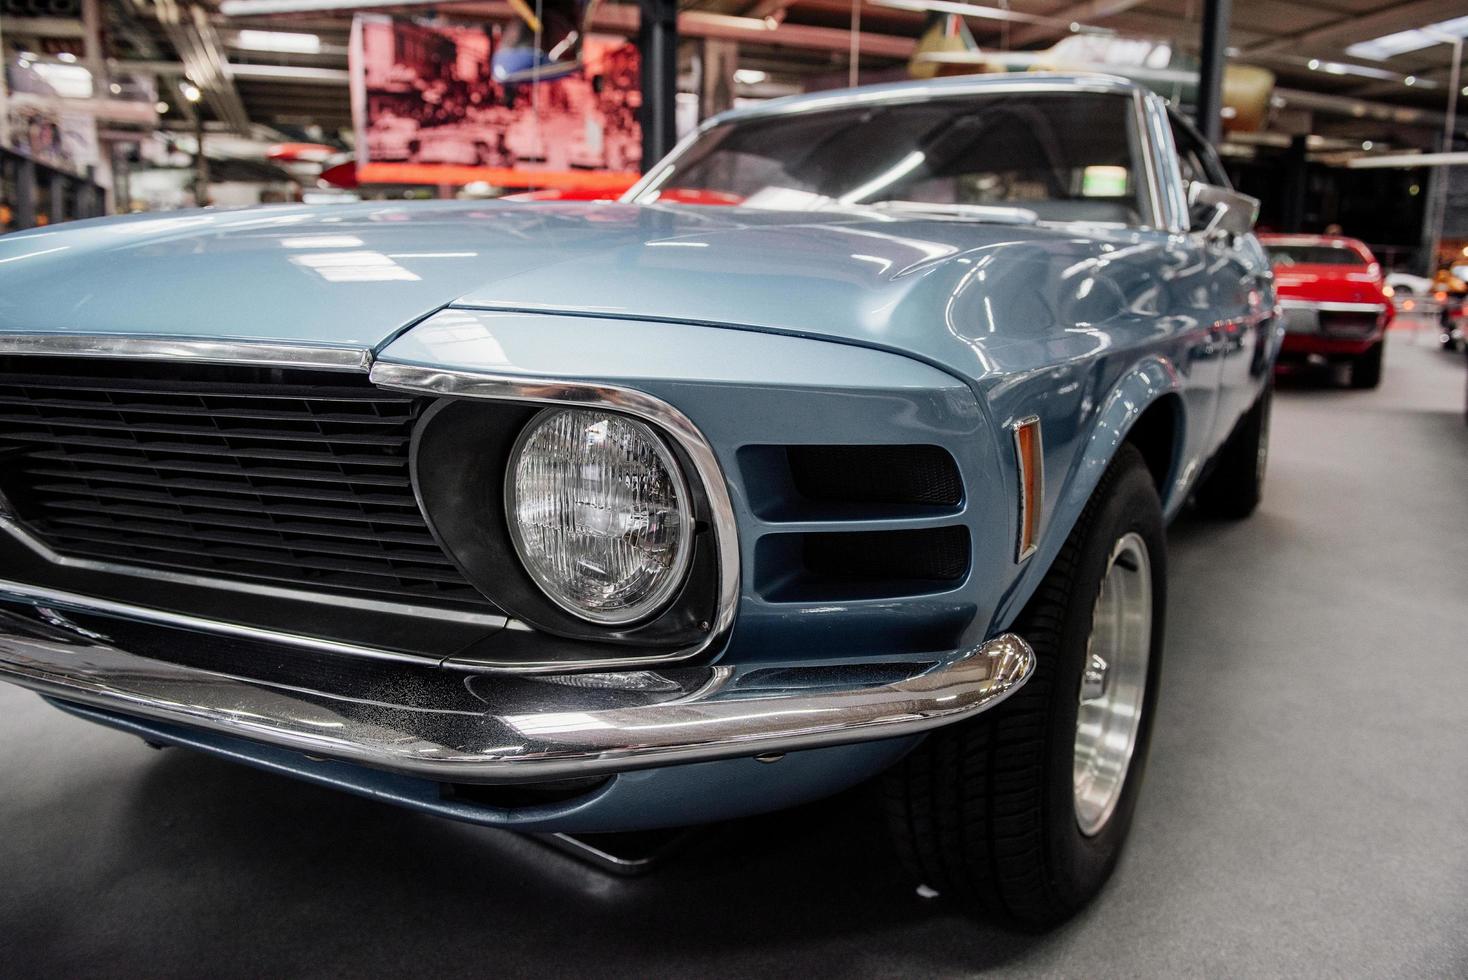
(1079, 463)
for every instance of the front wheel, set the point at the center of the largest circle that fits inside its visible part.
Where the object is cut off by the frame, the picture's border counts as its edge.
(1024, 808)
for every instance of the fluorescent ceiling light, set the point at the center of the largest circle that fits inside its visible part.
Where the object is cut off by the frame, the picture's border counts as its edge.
(278, 41)
(1390, 45)
(68, 81)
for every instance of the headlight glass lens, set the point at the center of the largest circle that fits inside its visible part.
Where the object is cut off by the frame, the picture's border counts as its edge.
(599, 513)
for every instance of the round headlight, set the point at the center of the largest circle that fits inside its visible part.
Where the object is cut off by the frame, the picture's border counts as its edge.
(599, 514)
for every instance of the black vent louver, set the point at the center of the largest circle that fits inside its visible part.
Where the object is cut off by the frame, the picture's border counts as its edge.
(919, 475)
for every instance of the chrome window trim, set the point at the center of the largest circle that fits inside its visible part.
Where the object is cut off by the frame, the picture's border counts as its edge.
(639, 404)
(357, 359)
(1169, 200)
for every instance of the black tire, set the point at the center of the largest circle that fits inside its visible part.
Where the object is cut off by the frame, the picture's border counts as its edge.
(983, 811)
(1366, 369)
(1234, 485)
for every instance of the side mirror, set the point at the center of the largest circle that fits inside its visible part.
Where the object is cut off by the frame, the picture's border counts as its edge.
(1218, 210)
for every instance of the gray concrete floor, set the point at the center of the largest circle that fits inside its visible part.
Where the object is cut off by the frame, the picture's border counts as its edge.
(1304, 813)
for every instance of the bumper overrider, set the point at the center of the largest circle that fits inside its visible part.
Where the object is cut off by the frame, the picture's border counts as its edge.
(465, 727)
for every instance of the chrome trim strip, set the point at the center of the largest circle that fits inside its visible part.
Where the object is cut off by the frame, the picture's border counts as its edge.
(509, 387)
(32, 595)
(266, 354)
(1162, 160)
(1326, 306)
(1021, 552)
(697, 715)
(13, 527)
(1149, 147)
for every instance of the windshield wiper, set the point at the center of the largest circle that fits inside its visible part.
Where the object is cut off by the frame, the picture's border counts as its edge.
(994, 214)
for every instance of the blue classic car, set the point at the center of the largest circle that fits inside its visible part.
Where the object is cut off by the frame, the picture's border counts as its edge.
(601, 517)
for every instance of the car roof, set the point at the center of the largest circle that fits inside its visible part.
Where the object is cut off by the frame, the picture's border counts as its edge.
(935, 88)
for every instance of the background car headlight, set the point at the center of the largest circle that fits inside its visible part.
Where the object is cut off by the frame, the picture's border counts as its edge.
(599, 513)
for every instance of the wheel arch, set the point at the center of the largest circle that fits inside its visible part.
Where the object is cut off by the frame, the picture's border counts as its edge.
(1144, 407)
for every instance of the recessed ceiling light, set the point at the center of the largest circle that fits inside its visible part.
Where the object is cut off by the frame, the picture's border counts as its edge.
(1313, 64)
(750, 76)
(1367, 144)
(162, 107)
(1410, 80)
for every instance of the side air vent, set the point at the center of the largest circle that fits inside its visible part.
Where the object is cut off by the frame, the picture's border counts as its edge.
(849, 565)
(791, 483)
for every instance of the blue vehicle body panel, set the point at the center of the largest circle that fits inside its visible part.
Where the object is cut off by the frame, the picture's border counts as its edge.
(764, 328)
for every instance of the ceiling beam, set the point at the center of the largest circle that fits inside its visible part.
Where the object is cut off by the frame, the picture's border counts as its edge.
(197, 44)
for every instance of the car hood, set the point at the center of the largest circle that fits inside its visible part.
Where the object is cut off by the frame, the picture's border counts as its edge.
(357, 275)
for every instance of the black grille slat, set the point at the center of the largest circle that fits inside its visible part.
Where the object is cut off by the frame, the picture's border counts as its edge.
(263, 556)
(195, 449)
(79, 460)
(276, 392)
(279, 475)
(202, 507)
(246, 527)
(410, 552)
(265, 489)
(108, 425)
(322, 581)
(147, 408)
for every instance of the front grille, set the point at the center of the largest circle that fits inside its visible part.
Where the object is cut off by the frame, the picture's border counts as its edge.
(293, 477)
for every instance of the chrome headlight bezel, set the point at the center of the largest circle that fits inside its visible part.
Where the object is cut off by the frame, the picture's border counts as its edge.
(666, 586)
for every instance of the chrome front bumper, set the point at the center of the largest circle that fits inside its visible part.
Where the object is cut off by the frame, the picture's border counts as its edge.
(443, 723)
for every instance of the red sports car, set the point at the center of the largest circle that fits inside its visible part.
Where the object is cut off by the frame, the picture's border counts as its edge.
(1336, 305)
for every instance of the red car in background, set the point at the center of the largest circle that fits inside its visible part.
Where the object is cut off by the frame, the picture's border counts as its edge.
(1335, 301)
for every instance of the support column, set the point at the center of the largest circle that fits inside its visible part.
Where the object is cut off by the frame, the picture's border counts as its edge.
(1296, 183)
(717, 62)
(58, 197)
(1216, 15)
(25, 193)
(201, 163)
(657, 41)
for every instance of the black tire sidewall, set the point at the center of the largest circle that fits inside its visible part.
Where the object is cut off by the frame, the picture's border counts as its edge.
(1080, 864)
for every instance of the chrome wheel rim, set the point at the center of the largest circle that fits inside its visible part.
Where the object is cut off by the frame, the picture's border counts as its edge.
(1113, 683)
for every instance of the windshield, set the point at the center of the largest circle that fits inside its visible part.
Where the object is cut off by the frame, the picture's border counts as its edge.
(1066, 156)
(1314, 255)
